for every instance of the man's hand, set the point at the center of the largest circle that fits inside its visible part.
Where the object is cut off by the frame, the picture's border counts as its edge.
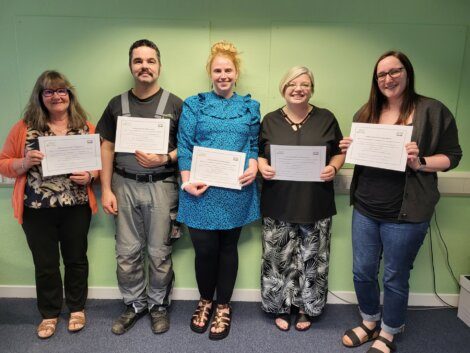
(150, 160)
(109, 202)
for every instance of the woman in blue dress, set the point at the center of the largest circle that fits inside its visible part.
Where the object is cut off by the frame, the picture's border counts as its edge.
(219, 119)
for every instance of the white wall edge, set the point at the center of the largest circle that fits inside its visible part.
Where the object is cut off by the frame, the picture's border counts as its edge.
(242, 295)
(450, 183)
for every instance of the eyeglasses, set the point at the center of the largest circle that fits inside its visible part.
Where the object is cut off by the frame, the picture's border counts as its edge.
(303, 86)
(62, 92)
(393, 73)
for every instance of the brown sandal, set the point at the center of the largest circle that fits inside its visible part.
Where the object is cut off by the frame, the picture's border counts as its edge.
(221, 320)
(47, 328)
(77, 321)
(202, 314)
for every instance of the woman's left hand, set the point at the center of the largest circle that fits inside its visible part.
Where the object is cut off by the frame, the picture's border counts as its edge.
(328, 173)
(81, 178)
(412, 150)
(250, 173)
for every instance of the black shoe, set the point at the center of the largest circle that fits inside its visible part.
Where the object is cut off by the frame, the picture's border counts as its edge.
(159, 319)
(127, 319)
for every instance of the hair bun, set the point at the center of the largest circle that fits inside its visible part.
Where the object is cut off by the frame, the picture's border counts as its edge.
(223, 47)
(226, 49)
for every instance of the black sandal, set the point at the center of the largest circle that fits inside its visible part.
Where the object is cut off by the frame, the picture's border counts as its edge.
(390, 345)
(221, 320)
(356, 341)
(301, 318)
(202, 314)
(284, 317)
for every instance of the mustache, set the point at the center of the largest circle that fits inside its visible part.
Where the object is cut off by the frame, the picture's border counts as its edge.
(145, 71)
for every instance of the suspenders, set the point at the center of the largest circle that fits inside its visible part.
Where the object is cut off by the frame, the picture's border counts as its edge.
(160, 108)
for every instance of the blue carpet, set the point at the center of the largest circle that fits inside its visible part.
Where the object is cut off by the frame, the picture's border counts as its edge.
(431, 331)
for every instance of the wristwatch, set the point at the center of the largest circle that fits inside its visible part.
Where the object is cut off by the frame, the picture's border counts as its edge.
(92, 178)
(421, 162)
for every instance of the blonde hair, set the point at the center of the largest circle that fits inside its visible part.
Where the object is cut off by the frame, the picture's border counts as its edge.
(36, 115)
(227, 49)
(292, 74)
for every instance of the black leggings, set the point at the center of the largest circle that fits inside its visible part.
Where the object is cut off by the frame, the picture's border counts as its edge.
(216, 262)
(48, 230)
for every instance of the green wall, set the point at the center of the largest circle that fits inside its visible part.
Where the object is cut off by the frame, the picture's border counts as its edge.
(339, 40)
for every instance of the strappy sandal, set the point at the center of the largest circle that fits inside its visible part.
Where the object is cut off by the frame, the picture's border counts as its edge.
(77, 321)
(221, 320)
(202, 314)
(356, 341)
(301, 318)
(390, 345)
(47, 328)
(284, 317)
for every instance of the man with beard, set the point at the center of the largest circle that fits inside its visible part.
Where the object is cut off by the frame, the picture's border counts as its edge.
(141, 191)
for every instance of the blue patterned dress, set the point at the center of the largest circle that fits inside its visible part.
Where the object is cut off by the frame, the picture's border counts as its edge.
(232, 124)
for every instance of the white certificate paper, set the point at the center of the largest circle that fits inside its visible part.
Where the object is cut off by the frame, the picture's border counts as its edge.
(216, 167)
(298, 163)
(71, 153)
(379, 145)
(144, 134)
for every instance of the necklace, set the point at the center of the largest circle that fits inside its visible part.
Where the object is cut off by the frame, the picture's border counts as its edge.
(58, 130)
(296, 126)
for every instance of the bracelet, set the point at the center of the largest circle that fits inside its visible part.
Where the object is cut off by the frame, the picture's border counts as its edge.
(169, 160)
(336, 170)
(22, 164)
(186, 183)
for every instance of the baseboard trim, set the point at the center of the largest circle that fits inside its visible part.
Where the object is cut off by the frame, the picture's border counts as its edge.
(242, 295)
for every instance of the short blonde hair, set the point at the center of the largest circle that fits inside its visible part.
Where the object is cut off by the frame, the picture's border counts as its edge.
(227, 49)
(293, 73)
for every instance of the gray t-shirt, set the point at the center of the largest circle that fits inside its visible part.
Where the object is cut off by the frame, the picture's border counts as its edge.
(142, 108)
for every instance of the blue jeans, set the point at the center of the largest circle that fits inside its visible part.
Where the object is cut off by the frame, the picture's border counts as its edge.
(399, 243)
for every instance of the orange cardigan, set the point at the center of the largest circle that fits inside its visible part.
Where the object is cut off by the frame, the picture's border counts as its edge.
(14, 148)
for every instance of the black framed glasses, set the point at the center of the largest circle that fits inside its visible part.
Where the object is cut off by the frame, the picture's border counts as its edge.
(62, 92)
(393, 73)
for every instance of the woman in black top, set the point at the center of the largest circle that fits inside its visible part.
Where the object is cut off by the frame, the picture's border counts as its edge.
(392, 209)
(297, 215)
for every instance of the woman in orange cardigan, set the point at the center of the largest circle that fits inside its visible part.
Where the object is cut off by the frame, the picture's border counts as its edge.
(54, 211)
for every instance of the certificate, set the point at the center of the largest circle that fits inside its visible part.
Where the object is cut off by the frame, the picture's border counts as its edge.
(144, 134)
(298, 163)
(379, 145)
(71, 153)
(215, 167)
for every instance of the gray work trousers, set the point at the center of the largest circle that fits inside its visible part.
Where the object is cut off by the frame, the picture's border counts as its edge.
(143, 226)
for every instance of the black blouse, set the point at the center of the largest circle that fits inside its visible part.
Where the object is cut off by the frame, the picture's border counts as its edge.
(296, 201)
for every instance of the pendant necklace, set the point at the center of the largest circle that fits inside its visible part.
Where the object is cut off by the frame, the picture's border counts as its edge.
(295, 126)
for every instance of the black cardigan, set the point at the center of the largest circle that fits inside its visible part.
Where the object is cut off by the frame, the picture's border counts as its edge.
(435, 132)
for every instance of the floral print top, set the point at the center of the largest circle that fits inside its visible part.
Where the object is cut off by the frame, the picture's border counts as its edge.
(53, 191)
